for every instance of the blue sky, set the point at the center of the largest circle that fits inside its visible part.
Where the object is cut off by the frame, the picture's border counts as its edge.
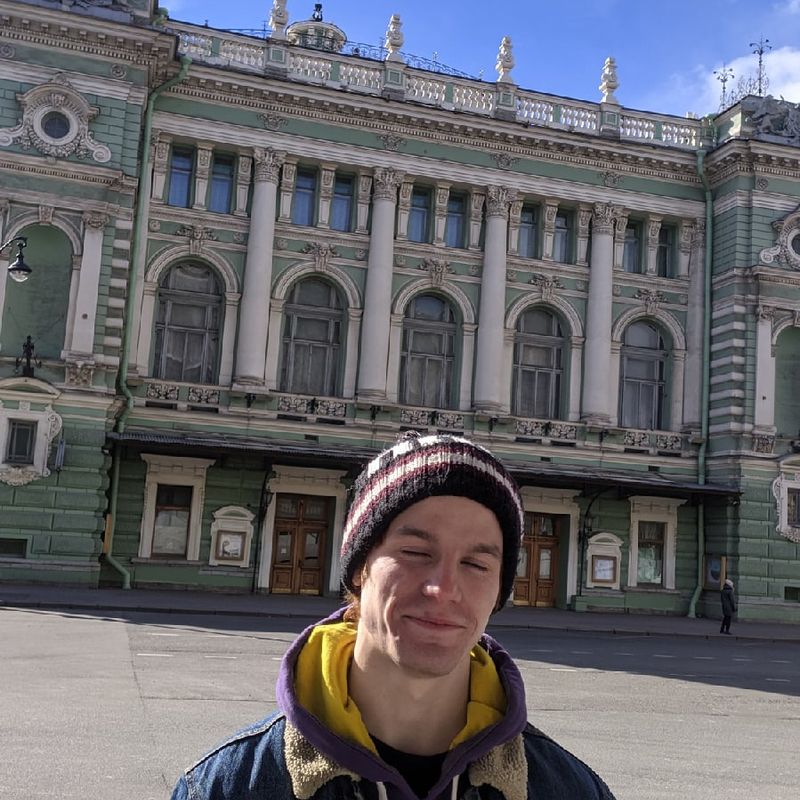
(666, 50)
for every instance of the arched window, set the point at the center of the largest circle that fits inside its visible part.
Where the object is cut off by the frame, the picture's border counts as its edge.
(188, 324)
(312, 337)
(427, 357)
(644, 359)
(538, 365)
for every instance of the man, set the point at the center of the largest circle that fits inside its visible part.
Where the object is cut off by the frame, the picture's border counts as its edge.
(728, 606)
(401, 695)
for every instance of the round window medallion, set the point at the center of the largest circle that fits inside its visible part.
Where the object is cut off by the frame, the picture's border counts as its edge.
(56, 125)
(794, 243)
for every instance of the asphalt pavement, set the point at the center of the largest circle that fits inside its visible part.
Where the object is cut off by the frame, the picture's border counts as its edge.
(312, 607)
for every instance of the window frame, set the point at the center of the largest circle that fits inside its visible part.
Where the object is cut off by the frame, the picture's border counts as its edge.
(216, 159)
(532, 227)
(567, 238)
(311, 193)
(665, 252)
(661, 510)
(335, 350)
(633, 253)
(787, 481)
(447, 381)
(660, 357)
(423, 212)
(164, 506)
(455, 226)
(214, 303)
(48, 426)
(554, 342)
(14, 425)
(191, 151)
(176, 471)
(338, 196)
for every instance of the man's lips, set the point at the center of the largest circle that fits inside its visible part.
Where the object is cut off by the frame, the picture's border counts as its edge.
(435, 623)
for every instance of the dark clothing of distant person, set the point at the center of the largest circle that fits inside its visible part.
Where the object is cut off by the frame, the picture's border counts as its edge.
(728, 606)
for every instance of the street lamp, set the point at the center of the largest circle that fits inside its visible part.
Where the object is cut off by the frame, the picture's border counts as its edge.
(18, 270)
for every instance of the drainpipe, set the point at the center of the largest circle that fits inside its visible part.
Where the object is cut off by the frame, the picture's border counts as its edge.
(137, 252)
(706, 377)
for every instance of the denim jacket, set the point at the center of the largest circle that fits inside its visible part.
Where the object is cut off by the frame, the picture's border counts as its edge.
(291, 755)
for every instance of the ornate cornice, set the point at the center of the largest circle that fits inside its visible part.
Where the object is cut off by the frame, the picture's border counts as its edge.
(462, 130)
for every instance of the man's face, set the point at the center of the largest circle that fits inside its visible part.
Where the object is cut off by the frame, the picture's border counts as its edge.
(428, 589)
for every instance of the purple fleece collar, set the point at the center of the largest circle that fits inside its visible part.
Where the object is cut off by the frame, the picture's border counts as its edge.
(365, 763)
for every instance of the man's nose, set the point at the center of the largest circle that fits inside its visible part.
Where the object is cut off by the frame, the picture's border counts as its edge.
(442, 581)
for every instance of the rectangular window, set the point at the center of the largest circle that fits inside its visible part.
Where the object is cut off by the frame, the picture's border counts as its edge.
(632, 249)
(181, 173)
(21, 440)
(342, 206)
(650, 569)
(304, 204)
(562, 238)
(527, 232)
(455, 223)
(793, 507)
(665, 251)
(222, 170)
(419, 218)
(171, 528)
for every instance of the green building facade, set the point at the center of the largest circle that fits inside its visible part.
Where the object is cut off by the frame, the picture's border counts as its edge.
(259, 260)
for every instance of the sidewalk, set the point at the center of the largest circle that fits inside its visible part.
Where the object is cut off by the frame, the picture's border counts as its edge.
(310, 608)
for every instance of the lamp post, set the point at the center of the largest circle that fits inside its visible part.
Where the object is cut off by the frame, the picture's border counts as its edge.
(19, 271)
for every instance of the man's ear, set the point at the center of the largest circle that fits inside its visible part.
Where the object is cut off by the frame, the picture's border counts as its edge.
(358, 578)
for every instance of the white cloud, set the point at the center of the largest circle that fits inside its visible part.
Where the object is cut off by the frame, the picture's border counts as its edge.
(788, 7)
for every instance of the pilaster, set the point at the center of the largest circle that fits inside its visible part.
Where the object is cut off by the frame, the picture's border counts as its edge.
(362, 201)
(582, 236)
(94, 224)
(653, 229)
(205, 154)
(514, 216)
(244, 173)
(619, 237)
(404, 208)
(476, 202)
(288, 177)
(549, 228)
(163, 142)
(442, 195)
(327, 176)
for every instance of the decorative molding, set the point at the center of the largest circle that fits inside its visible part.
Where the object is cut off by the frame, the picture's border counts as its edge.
(668, 441)
(96, 219)
(498, 199)
(119, 71)
(530, 427)
(437, 269)
(281, 243)
(386, 182)
(57, 98)
(7, 51)
(79, 373)
(547, 284)
(762, 184)
(635, 439)
(201, 394)
(267, 164)
(361, 254)
(415, 416)
(611, 179)
(603, 215)
(272, 122)
(392, 141)
(161, 391)
(504, 160)
(197, 236)
(786, 250)
(763, 443)
(322, 254)
(765, 312)
(652, 299)
(154, 225)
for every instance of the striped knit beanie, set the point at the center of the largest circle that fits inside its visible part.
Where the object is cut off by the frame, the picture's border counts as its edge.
(417, 467)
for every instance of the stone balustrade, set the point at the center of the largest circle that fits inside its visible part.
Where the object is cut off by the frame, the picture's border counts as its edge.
(429, 88)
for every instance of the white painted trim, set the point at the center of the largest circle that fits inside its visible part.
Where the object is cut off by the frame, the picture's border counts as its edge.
(235, 519)
(304, 480)
(603, 543)
(541, 500)
(654, 509)
(48, 426)
(179, 471)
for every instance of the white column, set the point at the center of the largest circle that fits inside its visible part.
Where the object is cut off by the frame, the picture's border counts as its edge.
(274, 343)
(467, 365)
(694, 332)
(676, 393)
(74, 279)
(596, 405)
(232, 300)
(378, 293)
(149, 290)
(575, 362)
(94, 225)
(765, 370)
(492, 308)
(351, 357)
(254, 318)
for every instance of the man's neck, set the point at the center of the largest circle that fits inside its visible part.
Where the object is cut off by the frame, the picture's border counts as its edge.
(415, 714)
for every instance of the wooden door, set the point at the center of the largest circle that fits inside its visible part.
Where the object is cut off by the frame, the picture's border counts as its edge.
(537, 568)
(298, 553)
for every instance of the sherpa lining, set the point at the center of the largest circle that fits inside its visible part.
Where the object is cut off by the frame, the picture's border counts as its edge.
(308, 768)
(505, 768)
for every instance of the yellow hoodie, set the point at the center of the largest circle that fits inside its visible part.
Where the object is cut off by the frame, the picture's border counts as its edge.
(323, 690)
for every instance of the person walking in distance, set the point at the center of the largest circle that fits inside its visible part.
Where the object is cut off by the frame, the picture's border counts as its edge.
(401, 695)
(728, 606)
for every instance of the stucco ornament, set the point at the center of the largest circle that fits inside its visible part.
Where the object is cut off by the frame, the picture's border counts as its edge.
(48, 426)
(278, 19)
(786, 250)
(55, 121)
(780, 491)
(394, 38)
(773, 119)
(505, 61)
(609, 82)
